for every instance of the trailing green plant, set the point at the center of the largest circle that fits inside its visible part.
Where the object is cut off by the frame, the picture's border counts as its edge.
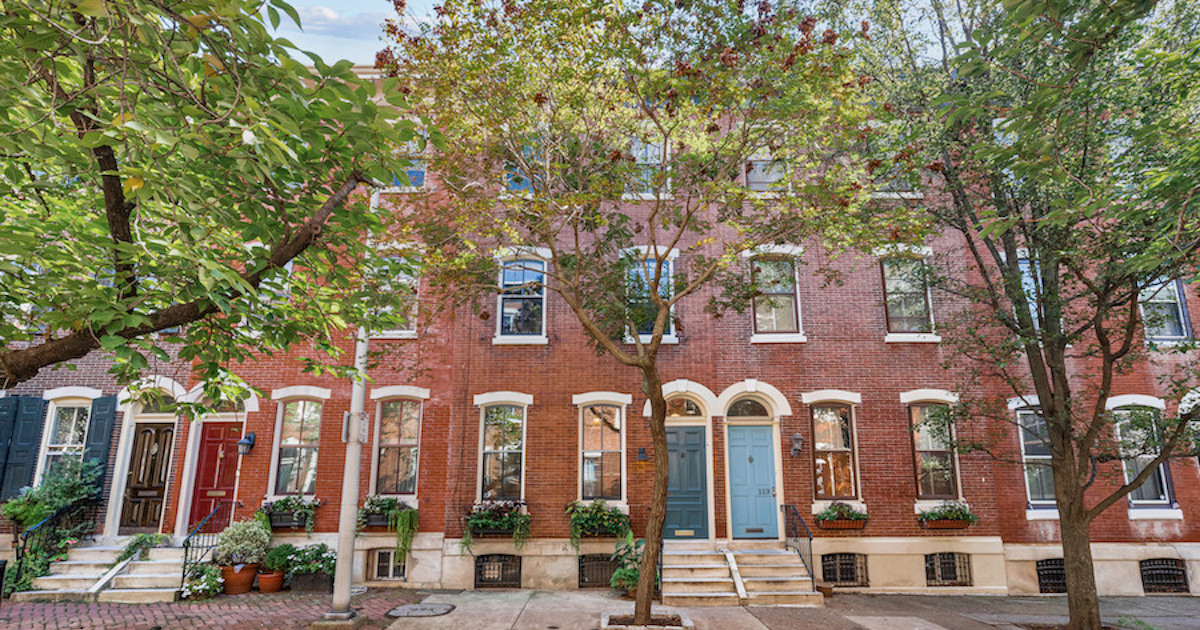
(138, 545)
(68, 481)
(263, 519)
(595, 519)
(402, 519)
(318, 558)
(203, 580)
(838, 511)
(243, 542)
(300, 508)
(628, 558)
(279, 558)
(948, 511)
(497, 515)
(38, 558)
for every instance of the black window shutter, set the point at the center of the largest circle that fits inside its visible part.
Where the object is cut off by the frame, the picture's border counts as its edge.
(8, 415)
(99, 434)
(23, 446)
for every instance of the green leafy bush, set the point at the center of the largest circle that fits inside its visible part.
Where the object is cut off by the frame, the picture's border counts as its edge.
(300, 508)
(70, 480)
(402, 519)
(318, 558)
(498, 515)
(838, 511)
(948, 511)
(279, 558)
(243, 542)
(595, 519)
(628, 558)
(203, 580)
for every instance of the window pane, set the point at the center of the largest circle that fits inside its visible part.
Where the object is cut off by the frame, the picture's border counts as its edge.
(1030, 285)
(641, 310)
(502, 427)
(70, 426)
(774, 275)
(775, 313)
(1035, 440)
(834, 475)
(521, 316)
(1154, 490)
(764, 175)
(1040, 480)
(297, 471)
(601, 428)
(1163, 320)
(397, 470)
(502, 476)
(682, 407)
(907, 298)
(747, 407)
(935, 474)
(927, 438)
(831, 428)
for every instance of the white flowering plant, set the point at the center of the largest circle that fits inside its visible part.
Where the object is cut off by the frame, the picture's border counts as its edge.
(204, 580)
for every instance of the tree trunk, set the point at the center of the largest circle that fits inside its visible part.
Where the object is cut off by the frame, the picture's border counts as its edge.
(1083, 605)
(648, 575)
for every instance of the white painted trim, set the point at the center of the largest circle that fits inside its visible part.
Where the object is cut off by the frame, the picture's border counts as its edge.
(399, 391)
(89, 393)
(898, 195)
(522, 340)
(645, 339)
(1134, 400)
(500, 398)
(280, 407)
(912, 338)
(779, 338)
(659, 252)
(301, 391)
(1023, 402)
(707, 398)
(165, 383)
(600, 398)
(194, 394)
(928, 395)
(759, 390)
(394, 334)
(924, 251)
(831, 395)
(1146, 514)
(1041, 515)
(524, 251)
(795, 251)
(48, 419)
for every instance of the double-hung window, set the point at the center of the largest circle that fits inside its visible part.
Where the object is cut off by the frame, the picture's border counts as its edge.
(414, 164)
(1163, 312)
(68, 429)
(642, 309)
(1138, 430)
(906, 295)
(602, 462)
(522, 298)
(503, 452)
(764, 173)
(933, 456)
(400, 288)
(833, 445)
(1031, 288)
(299, 437)
(1035, 454)
(399, 436)
(649, 177)
(775, 304)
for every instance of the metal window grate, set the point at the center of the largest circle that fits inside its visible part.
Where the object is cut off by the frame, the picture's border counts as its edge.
(498, 571)
(1052, 577)
(947, 569)
(1164, 575)
(844, 569)
(595, 570)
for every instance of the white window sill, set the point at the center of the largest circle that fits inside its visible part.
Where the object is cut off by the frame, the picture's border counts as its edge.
(924, 505)
(1169, 343)
(778, 338)
(897, 195)
(764, 194)
(515, 195)
(912, 338)
(821, 506)
(621, 505)
(666, 339)
(644, 197)
(523, 340)
(400, 190)
(1041, 515)
(394, 334)
(1155, 514)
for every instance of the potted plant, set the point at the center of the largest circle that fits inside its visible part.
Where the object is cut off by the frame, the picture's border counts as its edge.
(596, 519)
(841, 516)
(274, 568)
(395, 515)
(240, 548)
(292, 512)
(312, 568)
(497, 518)
(949, 515)
(203, 581)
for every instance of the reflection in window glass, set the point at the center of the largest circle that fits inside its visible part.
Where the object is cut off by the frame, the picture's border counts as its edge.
(67, 433)
(833, 455)
(1163, 312)
(747, 408)
(642, 309)
(601, 464)
(399, 431)
(503, 450)
(1035, 452)
(522, 297)
(906, 296)
(299, 436)
(775, 300)
(682, 407)
(934, 459)
(1138, 430)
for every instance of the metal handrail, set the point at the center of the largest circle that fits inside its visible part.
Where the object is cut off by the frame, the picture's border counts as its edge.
(799, 536)
(45, 533)
(203, 538)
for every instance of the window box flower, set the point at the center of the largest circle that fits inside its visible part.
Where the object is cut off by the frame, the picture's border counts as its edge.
(291, 513)
(949, 515)
(394, 515)
(312, 568)
(596, 520)
(841, 516)
(497, 518)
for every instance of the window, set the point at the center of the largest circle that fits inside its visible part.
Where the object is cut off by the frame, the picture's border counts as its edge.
(906, 295)
(68, 428)
(399, 434)
(648, 179)
(516, 180)
(399, 288)
(775, 309)
(387, 566)
(498, 571)
(601, 458)
(1052, 576)
(1164, 575)
(1031, 285)
(947, 569)
(747, 408)
(934, 459)
(764, 173)
(844, 569)
(1163, 313)
(834, 452)
(596, 570)
(1035, 453)
(522, 298)
(299, 435)
(1138, 430)
(503, 451)
(415, 169)
(642, 310)
(683, 407)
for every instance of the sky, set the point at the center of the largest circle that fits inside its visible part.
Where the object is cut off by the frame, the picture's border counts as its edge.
(345, 29)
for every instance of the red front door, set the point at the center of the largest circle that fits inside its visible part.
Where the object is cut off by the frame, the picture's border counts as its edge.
(216, 472)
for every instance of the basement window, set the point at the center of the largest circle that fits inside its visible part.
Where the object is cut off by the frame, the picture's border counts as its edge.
(947, 569)
(387, 567)
(844, 569)
(1164, 575)
(498, 571)
(1052, 577)
(596, 569)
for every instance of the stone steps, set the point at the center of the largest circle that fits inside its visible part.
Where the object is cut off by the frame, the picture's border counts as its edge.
(82, 577)
(139, 595)
(66, 582)
(699, 573)
(700, 599)
(146, 581)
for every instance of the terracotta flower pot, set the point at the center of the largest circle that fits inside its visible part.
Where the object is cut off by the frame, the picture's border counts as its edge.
(946, 523)
(270, 582)
(237, 582)
(843, 523)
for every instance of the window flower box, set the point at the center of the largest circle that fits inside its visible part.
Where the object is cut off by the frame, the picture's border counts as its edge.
(949, 515)
(841, 516)
(946, 523)
(596, 520)
(285, 520)
(290, 513)
(496, 518)
(842, 523)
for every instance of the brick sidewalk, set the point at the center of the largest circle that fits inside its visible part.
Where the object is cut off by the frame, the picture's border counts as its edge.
(282, 611)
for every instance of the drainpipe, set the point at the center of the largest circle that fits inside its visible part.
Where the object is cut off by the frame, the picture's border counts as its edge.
(352, 434)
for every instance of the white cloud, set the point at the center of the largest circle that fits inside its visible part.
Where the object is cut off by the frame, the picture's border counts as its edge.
(322, 20)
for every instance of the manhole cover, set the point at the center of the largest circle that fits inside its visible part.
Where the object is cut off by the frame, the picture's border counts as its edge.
(420, 610)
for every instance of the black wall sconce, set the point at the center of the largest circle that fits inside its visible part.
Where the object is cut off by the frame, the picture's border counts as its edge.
(797, 444)
(642, 456)
(245, 444)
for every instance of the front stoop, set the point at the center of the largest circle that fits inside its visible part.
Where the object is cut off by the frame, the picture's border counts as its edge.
(757, 573)
(88, 574)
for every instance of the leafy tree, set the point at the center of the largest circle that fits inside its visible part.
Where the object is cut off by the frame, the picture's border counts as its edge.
(1064, 135)
(162, 164)
(606, 137)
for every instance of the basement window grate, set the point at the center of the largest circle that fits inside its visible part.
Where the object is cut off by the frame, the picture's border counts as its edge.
(1164, 575)
(596, 570)
(1052, 577)
(498, 571)
(947, 569)
(844, 569)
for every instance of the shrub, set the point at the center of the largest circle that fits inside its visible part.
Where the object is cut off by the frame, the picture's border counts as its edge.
(948, 511)
(595, 518)
(279, 559)
(318, 558)
(838, 511)
(204, 580)
(501, 515)
(70, 480)
(628, 558)
(244, 542)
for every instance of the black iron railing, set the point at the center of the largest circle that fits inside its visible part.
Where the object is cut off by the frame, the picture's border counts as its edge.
(203, 537)
(799, 536)
(47, 540)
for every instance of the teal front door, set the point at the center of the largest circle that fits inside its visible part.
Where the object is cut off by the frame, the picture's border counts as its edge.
(752, 482)
(687, 487)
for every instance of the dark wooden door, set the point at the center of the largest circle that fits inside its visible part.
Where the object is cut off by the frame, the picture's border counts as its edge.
(146, 484)
(216, 471)
(687, 485)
